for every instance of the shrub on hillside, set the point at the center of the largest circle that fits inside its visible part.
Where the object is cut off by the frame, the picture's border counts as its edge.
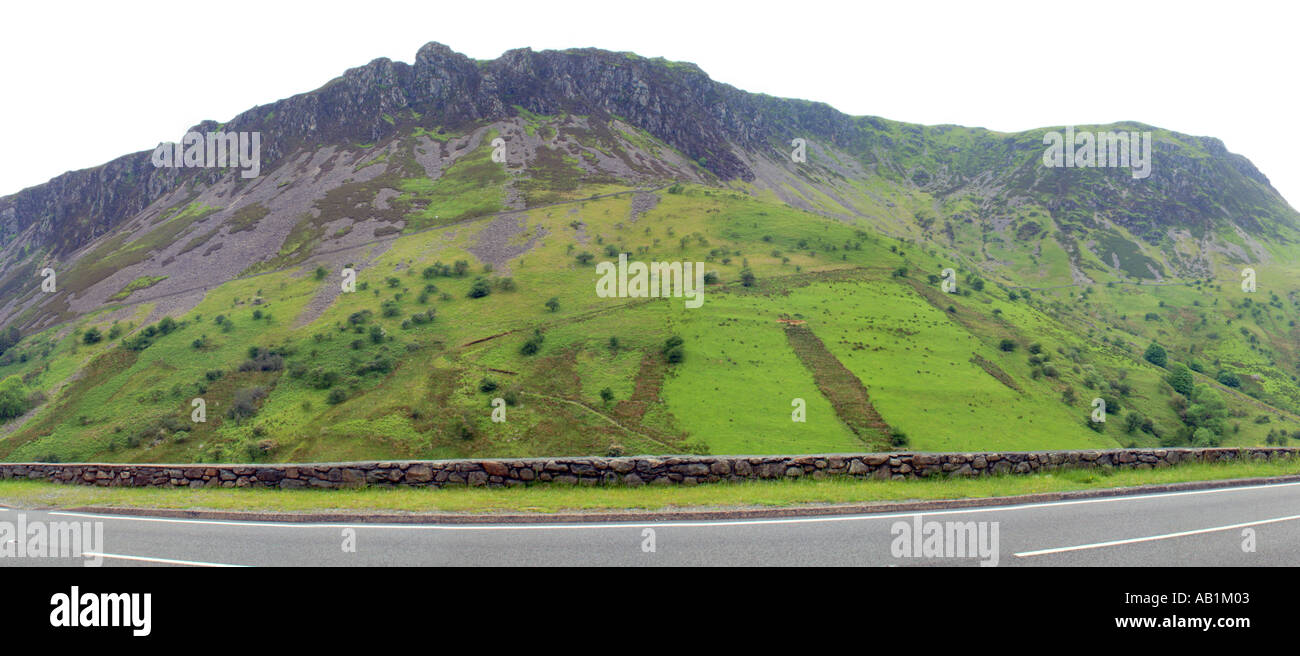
(898, 439)
(1181, 379)
(322, 378)
(1155, 354)
(534, 344)
(245, 403)
(480, 288)
(13, 399)
(264, 361)
(1229, 379)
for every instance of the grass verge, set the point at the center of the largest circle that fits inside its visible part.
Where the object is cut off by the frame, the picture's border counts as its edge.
(555, 498)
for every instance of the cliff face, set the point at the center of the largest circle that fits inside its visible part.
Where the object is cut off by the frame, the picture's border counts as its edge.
(676, 103)
(1196, 187)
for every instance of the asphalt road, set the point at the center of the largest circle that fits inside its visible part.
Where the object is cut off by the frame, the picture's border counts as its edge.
(1242, 526)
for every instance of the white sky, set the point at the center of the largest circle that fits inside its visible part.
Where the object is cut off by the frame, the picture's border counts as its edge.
(85, 83)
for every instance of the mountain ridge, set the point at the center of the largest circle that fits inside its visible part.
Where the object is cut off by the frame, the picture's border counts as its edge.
(461, 90)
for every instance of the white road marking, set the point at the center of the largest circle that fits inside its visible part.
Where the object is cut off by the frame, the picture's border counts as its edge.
(682, 523)
(167, 561)
(1166, 536)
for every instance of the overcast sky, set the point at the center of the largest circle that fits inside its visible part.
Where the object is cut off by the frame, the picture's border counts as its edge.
(85, 83)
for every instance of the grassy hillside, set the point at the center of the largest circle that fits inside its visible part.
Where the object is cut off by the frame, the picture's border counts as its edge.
(408, 364)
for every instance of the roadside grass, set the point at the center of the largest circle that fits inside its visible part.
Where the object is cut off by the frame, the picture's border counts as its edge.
(558, 498)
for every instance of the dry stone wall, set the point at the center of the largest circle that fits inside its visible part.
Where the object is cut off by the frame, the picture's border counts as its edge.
(628, 471)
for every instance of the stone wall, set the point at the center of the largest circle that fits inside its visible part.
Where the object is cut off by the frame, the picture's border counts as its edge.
(632, 470)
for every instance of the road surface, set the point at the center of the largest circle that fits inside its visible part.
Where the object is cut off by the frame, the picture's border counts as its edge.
(1241, 526)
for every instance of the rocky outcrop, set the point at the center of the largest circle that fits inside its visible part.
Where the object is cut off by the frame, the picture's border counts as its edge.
(1195, 183)
(628, 471)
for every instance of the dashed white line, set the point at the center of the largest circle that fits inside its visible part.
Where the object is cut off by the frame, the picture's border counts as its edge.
(1166, 536)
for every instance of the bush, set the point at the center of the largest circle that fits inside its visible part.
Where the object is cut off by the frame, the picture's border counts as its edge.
(1181, 379)
(13, 400)
(245, 403)
(487, 385)
(747, 278)
(534, 344)
(264, 361)
(1155, 354)
(9, 338)
(381, 365)
(322, 379)
(898, 438)
(1205, 437)
(1007, 345)
(337, 396)
(1228, 379)
(139, 342)
(480, 288)
(92, 336)
(553, 304)
(1133, 422)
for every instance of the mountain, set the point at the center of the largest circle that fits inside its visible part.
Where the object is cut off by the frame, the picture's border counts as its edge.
(172, 284)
